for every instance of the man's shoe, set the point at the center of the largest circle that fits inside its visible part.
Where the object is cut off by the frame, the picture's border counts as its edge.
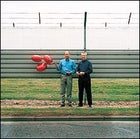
(90, 106)
(80, 105)
(69, 105)
(62, 105)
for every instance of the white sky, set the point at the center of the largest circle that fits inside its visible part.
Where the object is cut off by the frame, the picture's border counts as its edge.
(70, 6)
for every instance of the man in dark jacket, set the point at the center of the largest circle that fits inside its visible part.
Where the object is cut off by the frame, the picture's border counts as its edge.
(84, 69)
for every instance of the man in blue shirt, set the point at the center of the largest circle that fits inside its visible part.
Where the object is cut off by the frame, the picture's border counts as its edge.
(67, 67)
(84, 69)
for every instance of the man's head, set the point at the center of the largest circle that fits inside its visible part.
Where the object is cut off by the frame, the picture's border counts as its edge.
(67, 54)
(84, 56)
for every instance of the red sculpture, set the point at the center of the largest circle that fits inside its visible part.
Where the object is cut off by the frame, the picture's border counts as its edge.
(48, 59)
(42, 66)
(36, 58)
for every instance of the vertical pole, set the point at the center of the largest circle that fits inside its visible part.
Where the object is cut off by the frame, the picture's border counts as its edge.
(85, 20)
(129, 18)
(13, 24)
(39, 18)
(105, 24)
(60, 24)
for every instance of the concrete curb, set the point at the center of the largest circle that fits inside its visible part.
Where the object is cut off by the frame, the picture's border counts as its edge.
(72, 118)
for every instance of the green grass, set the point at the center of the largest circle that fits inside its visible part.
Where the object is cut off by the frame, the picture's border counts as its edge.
(75, 111)
(49, 89)
(108, 89)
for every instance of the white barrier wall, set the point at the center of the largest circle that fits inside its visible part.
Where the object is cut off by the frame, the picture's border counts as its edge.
(106, 63)
(70, 38)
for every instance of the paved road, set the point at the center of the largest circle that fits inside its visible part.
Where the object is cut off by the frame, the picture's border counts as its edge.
(70, 129)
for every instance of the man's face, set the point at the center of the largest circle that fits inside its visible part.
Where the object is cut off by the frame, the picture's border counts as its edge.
(83, 56)
(67, 55)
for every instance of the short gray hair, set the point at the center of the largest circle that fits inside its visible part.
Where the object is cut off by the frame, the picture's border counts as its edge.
(84, 53)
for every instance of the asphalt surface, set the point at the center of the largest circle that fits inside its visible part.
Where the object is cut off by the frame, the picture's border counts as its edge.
(70, 127)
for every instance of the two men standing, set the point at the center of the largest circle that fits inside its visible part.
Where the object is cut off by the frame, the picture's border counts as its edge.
(67, 67)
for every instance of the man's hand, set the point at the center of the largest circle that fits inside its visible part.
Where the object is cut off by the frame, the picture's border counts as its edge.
(77, 73)
(55, 64)
(68, 73)
(80, 73)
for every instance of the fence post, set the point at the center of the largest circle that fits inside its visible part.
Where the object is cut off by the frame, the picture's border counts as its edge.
(85, 18)
(129, 18)
(39, 18)
(60, 24)
(105, 24)
(13, 24)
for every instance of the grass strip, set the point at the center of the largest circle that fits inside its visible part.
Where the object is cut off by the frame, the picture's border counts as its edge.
(44, 112)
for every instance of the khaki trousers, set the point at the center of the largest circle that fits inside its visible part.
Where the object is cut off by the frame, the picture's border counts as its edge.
(66, 88)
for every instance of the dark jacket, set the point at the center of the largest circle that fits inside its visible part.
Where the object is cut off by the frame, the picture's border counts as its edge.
(85, 66)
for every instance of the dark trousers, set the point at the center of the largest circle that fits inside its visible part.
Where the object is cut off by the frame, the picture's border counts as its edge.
(84, 83)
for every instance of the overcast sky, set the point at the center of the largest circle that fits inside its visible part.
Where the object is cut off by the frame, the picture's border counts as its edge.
(70, 6)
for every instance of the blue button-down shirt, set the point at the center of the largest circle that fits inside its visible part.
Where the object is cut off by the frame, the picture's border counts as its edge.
(66, 65)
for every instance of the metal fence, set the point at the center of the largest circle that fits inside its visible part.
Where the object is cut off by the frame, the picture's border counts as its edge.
(60, 20)
(106, 63)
